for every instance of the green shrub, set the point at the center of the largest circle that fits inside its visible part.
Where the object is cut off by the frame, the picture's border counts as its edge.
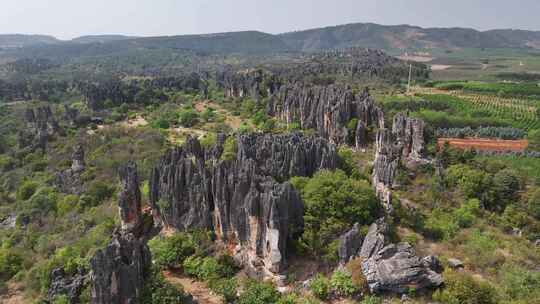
(342, 283)
(461, 288)
(209, 140)
(519, 283)
(466, 214)
(371, 300)
(192, 265)
(99, 191)
(188, 117)
(208, 115)
(158, 291)
(441, 225)
(230, 148)
(534, 204)
(320, 287)
(481, 248)
(169, 252)
(10, 263)
(26, 190)
(225, 287)
(6, 163)
(43, 200)
(259, 293)
(61, 299)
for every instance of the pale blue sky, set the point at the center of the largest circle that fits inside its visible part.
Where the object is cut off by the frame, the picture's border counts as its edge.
(71, 18)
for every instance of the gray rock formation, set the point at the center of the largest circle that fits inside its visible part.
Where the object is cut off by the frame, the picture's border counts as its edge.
(375, 239)
(395, 268)
(409, 134)
(129, 200)
(404, 144)
(118, 271)
(41, 126)
(328, 110)
(248, 83)
(69, 180)
(455, 263)
(350, 244)
(242, 199)
(8, 222)
(68, 285)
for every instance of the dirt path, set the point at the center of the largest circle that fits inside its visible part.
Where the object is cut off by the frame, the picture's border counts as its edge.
(197, 289)
(14, 295)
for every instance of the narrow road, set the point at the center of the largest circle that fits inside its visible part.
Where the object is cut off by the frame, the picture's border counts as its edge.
(198, 290)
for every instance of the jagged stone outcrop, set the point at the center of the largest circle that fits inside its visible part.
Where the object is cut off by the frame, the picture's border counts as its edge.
(375, 239)
(69, 285)
(330, 110)
(74, 118)
(395, 267)
(405, 143)
(242, 198)
(409, 134)
(254, 83)
(350, 244)
(41, 126)
(69, 180)
(118, 272)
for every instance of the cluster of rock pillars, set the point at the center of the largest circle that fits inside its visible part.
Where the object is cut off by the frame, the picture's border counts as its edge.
(246, 200)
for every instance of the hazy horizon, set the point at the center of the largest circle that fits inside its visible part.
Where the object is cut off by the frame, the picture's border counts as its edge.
(66, 19)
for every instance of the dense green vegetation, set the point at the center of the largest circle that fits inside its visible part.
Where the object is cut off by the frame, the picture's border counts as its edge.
(333, 203)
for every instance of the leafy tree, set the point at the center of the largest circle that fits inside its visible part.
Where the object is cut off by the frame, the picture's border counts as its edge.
(333, 202)
(469, 180)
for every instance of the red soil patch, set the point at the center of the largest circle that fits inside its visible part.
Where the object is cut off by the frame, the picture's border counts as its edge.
(479, 144)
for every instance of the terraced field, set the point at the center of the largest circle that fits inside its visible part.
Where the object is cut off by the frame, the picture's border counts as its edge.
(523, 112)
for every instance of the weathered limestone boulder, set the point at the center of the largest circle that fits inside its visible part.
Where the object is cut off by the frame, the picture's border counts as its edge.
(350, 244)
(327, 110)
(69, 180)
(242, 198)
(118, 271)
(375, 239)
(68, 285)
(455, 263)
(395, 267)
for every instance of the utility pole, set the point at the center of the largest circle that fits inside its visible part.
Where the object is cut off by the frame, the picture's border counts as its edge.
(410, 75)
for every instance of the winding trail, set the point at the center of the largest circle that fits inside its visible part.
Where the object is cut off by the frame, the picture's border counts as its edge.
(200, 292)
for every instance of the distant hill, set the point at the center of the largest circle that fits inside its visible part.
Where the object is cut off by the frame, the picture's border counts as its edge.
(17, 40)
(368, 35)
(100, 38)
(248, 43)
(392, 37)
